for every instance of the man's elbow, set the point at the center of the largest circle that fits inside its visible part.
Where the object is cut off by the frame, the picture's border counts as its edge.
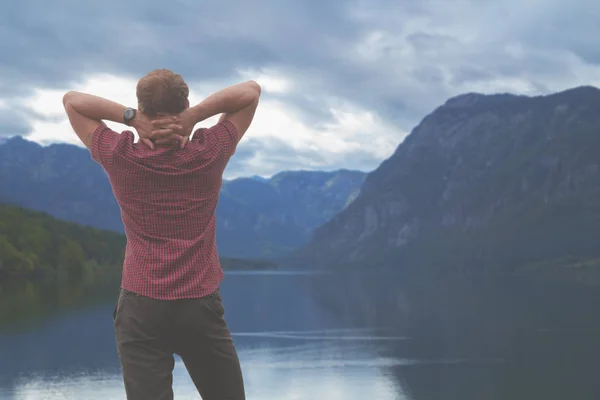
(67, 98)
(254, 86)
(71, 97)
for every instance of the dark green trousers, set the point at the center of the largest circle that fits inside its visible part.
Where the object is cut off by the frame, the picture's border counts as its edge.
(149, 332)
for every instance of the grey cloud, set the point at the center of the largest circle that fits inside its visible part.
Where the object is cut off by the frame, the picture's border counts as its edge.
(54, 45)
(16, 119)
(13, 123)
(427, 42)
(471, 73)
(421, 63)
(201, 40)
(568, 26)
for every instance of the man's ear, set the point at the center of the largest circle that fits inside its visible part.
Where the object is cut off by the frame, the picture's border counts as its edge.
(187, 103)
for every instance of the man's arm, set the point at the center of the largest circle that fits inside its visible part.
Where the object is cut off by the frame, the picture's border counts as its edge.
(87, 112)
(236, 103)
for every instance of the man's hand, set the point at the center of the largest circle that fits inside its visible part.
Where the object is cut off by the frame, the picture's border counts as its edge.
(170, 128)
(145, 126)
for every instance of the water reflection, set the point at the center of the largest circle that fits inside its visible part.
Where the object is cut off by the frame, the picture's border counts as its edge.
(480, 337)
(292, 377)
(335, 336)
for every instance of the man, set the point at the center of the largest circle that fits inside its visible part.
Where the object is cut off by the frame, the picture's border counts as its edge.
(167, 186)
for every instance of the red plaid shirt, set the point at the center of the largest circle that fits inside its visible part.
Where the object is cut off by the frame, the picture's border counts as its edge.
(168, 197)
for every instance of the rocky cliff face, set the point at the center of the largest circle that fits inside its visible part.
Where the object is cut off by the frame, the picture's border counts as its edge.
(483, 181)
(256, 217)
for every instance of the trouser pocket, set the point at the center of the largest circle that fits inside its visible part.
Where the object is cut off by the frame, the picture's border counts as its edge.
(215, 303)
(122, 294)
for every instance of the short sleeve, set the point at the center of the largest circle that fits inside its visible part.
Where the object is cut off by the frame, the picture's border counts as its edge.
(104, 145)
(225, 134)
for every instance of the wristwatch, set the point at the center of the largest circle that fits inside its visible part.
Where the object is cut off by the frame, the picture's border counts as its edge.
(129, 115)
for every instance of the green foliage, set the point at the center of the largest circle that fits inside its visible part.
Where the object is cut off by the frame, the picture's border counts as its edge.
(33, 244)
(36, 245)
(12, 260)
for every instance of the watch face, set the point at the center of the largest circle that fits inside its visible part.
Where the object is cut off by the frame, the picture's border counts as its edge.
(129, 114)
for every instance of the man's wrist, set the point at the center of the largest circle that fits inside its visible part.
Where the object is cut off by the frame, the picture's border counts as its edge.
(129, 116)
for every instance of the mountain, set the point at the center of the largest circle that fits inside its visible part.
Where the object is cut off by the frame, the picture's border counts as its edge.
(256, 217)
(259, 178)
(59, 179)
(272, 218)
(484, 181)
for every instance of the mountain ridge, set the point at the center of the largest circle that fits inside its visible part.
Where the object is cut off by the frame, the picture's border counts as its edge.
(482, 180)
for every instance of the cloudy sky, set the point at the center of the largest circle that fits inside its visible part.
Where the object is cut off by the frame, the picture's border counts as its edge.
(343, 81)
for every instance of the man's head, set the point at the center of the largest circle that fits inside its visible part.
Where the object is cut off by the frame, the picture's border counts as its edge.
(162, 91)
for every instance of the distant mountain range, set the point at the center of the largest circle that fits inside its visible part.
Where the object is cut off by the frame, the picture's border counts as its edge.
(270, 218)
(490, 182)
(257, 217)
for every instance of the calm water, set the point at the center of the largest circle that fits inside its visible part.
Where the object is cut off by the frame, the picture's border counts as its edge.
(322, 336)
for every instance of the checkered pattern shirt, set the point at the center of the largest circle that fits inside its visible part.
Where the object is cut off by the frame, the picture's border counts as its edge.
(168, 197)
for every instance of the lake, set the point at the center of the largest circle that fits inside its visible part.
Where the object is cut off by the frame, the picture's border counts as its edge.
(332, 336)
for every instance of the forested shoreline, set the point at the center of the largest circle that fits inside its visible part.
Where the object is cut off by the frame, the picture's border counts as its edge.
(37, 246)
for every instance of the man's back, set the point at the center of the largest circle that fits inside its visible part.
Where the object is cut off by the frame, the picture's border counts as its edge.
(168, 198)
